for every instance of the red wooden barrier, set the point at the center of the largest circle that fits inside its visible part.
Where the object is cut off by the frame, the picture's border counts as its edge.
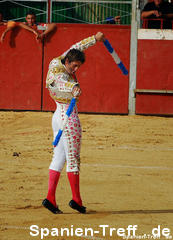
(154, 104)
(104, 88)
(20, 71)
(154, 72)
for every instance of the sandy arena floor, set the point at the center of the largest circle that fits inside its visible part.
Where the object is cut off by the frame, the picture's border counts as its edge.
(126, 175)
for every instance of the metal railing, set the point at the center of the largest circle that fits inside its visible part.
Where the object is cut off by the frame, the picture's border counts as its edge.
(71, 11)
(159, 23)
(94, 12)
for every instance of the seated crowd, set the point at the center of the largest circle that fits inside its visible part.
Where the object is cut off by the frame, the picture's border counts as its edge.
(158, 14)
(30, 25)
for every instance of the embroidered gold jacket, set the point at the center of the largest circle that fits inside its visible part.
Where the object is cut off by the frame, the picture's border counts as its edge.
(59, 82)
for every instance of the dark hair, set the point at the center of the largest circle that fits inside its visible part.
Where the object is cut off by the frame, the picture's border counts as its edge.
(30, 13)
(74, 55)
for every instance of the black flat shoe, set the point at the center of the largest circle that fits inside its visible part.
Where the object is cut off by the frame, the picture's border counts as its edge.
(77, 207)
(47, 204)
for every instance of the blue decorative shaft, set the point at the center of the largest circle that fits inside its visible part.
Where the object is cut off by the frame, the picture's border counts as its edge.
(71, 106)
(68, 113)
(115, 57)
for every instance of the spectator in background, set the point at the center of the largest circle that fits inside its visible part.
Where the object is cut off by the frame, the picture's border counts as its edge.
(2, 22)
(32, 26)
(118, 20)
(171, 4)
(113, 20)
(158, 9)
(10, 26)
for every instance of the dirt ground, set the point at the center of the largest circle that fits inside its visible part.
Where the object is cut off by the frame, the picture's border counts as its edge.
(126, 176)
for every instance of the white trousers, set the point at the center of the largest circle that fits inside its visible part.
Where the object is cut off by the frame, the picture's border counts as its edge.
(68, 148)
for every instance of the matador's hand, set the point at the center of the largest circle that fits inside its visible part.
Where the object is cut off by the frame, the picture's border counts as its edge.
(76, 91)
(100, 37)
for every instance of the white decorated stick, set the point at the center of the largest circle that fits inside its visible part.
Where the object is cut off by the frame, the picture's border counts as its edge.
(115, 57)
